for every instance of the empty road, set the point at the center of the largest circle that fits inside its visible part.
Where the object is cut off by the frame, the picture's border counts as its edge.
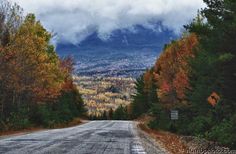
(95, 137)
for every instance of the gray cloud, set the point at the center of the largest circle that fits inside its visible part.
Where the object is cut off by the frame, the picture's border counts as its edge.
(74, 20)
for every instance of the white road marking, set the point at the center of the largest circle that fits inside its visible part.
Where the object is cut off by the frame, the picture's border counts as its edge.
(137, 148)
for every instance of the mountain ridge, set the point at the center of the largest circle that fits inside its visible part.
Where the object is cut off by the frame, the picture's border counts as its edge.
(125, 53)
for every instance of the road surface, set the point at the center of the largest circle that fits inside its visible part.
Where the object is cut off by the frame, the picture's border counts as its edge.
(96, 137)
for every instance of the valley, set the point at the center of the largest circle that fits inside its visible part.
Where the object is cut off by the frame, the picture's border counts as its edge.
(104, 93)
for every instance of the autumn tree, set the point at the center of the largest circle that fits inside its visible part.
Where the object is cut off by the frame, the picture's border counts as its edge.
(171, 70)
(34, 73)
(10, 20)
(36, 86)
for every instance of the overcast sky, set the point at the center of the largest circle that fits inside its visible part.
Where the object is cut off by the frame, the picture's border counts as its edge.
(74, 20)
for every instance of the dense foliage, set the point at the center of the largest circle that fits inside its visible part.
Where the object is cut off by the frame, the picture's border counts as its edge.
(200, 64)
(120, 113)
(146, 94)
(36, 86)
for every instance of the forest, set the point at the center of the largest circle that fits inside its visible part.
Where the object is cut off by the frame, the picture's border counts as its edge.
(195, 75)
(36, 86)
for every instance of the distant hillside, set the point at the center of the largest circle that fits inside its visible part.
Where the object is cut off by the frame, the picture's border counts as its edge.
(126, 53)
(102, 94)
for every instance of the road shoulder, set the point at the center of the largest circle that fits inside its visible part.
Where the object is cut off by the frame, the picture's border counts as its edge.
(169, 143)
(150, 144)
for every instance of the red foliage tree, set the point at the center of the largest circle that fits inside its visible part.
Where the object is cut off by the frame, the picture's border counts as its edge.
(172, 69)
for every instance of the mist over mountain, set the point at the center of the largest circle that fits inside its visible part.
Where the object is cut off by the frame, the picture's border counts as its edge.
(126, 53)
(75, 20)
(112, 37)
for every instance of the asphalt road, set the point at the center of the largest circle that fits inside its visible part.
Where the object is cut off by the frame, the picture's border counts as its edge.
(96, 137)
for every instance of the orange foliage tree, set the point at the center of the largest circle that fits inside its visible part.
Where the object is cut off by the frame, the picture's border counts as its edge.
(30, 69)
(172, 69)
(67, 68)
(37, 61)
(36, 87)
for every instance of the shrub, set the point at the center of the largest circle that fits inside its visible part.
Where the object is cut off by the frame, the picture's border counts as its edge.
(45, 116)
(199, 125)
(19, 119)
(224, 132)
(154, 124)
(161, 122)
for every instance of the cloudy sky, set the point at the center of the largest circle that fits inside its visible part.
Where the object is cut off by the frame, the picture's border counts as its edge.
(74, 20)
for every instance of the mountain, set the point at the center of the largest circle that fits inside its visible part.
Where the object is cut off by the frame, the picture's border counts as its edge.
(124, 54)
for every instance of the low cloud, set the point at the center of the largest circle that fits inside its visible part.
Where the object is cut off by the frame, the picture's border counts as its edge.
(74, 20)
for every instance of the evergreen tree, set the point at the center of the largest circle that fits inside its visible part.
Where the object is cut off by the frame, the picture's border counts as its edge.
(104, 115)
(120, 113)
(213, 70)
(139, 104)
(146, 94)
(110, 114)
(217, 37)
